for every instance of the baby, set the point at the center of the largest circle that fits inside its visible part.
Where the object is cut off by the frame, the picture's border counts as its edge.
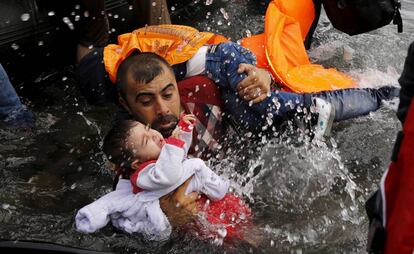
(157, 167)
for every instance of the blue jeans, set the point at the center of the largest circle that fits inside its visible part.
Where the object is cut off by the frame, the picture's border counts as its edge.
(12, 112)
(222, 62)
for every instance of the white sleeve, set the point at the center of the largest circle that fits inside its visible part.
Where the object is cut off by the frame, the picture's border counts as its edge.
(147, 219)
(187, 137)
(196, 65)
(206, 181)
(165, 172)
(96, 215)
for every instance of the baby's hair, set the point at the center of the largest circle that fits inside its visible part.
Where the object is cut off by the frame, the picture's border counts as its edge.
(115, 144)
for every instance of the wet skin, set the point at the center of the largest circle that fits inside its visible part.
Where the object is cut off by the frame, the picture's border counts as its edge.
(156, 103)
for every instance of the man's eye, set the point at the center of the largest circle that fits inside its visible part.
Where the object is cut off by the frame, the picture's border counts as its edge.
(168, 95)
(146, 102)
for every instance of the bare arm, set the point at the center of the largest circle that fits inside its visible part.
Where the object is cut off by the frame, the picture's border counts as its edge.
(179, 207)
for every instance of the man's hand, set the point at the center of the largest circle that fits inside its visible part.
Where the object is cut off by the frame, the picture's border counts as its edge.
(256, 86)
(179, 207)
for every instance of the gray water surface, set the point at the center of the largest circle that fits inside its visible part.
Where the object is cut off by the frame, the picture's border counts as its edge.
(306, 198)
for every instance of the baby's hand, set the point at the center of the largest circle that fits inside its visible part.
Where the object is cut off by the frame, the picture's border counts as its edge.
(176, 132)
(189, 119)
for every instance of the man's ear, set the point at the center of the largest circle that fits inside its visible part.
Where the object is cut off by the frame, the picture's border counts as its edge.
(124, 103)
(135, 164)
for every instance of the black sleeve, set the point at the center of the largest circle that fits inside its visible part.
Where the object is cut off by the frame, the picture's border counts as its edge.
(407, 84)
(406, 94)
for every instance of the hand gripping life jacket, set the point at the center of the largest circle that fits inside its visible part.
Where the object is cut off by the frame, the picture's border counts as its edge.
(281, 49)
(175, 43)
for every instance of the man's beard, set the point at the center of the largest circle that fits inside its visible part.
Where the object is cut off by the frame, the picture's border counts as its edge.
(165, 132)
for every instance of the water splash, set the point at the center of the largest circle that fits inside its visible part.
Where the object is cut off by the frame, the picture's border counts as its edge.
(92, 124)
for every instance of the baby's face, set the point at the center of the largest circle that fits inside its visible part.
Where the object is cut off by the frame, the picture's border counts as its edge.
(145, 143)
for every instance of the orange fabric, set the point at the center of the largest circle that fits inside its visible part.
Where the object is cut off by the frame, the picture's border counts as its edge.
(256, 44)
(280, 49)
(216, 39)
(175, 43)
(302, 11)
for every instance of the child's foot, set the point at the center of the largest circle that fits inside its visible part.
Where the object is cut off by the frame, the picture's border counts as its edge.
(326, 114)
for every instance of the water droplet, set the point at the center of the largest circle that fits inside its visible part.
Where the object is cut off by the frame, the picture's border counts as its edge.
(40, 43)
(272, 243)
(242, 216)
(25, 17)
(51, 13)
(172, 8)
(154, 4)
(225, 14)
(222, 216)
(69, 23)
(15, 46)
(208, 2)
(73, 186)
(222, 232)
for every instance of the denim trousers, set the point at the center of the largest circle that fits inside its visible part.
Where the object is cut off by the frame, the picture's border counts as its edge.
(12, 112)
(222, 63)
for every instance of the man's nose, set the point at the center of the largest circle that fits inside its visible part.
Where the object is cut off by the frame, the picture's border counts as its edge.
(162, 108)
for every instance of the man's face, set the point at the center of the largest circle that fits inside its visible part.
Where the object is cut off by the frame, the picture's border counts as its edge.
(156, 103)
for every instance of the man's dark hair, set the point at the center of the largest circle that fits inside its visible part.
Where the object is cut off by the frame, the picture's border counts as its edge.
(142, 66)
(115, 144)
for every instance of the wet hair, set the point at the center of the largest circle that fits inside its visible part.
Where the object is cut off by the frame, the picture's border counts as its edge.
(142, 66)
(115, 144)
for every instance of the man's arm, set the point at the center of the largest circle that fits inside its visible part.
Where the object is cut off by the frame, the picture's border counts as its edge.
(179, 207)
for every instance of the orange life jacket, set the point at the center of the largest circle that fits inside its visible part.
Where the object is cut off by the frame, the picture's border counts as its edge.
(175, 43)
(280, 49)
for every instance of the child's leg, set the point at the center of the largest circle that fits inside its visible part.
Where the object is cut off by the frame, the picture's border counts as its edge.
(350, 103)
(275, 109)
(222, 63)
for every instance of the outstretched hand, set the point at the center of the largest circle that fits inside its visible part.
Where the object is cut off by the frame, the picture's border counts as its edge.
(256, 86)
